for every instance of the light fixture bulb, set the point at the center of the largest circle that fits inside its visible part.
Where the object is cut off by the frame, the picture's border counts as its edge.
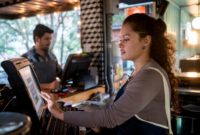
(196, 23)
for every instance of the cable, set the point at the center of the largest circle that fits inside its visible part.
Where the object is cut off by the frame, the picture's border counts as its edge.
(14, 97)
(2, 88)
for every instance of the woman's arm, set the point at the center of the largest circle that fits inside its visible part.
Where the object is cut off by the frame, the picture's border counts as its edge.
(140, 91)
(138, 94)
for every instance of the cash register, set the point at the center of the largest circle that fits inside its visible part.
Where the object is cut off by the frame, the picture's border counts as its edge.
(24, 82)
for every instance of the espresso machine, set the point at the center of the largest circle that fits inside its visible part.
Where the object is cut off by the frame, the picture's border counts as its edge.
(188, 121)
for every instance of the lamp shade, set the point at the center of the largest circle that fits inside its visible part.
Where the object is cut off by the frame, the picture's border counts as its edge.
(196, 23)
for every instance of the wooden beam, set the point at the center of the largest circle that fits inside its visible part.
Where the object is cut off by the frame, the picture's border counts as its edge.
(33, 12)
(6, 3)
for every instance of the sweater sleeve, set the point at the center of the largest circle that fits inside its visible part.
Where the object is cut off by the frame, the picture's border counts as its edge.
(140, 91)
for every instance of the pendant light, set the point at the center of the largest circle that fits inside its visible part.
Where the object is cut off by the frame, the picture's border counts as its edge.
(196, 20)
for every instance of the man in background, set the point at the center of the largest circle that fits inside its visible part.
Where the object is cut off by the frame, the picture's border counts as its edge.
(44, 61)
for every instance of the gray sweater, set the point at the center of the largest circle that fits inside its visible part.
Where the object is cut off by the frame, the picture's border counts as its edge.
(143, 96)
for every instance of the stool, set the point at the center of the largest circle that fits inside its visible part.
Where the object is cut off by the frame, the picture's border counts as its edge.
(12, 123)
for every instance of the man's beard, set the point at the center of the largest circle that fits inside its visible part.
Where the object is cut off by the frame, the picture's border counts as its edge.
(46, 50)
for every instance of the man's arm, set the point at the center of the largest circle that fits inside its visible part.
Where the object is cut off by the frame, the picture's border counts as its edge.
(58, 70)
(58, 66)
(49, 86)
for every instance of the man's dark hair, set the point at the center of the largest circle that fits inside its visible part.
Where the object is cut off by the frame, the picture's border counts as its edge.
(40, 30)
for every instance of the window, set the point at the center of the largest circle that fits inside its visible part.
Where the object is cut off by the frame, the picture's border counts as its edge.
(117, 20)
(16, 36)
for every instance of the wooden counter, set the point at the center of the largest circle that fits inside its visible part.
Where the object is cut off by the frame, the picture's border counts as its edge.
(82, 95)
(189, 91)
(85, 95)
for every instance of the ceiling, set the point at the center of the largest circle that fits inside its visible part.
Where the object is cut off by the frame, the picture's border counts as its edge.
(13, 9)
(192, 6)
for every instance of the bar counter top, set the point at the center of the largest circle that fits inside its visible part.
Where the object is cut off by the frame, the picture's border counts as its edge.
(80, 95)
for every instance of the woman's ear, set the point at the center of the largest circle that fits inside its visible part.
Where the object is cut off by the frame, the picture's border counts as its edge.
(147, 40)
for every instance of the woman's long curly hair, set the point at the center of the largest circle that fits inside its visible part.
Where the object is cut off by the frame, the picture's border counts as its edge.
(161, 49)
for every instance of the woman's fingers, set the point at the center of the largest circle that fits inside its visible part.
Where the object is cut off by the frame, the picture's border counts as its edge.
(45, 106)
(48, 96)
(52, 106)
(45, 96)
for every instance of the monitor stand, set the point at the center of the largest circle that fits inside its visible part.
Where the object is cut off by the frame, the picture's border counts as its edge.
(84, 81)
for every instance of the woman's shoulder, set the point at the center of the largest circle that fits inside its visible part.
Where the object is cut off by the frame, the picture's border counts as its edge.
(149, 73)
(146, 78)
(154, 70)
(146, 75)
(154, 65)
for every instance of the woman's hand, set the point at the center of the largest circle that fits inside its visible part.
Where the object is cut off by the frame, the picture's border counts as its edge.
(52, 105)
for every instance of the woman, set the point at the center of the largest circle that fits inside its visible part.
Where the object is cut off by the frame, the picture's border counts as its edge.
(139, 107)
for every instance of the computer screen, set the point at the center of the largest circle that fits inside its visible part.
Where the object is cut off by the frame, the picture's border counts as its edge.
(76, 70)
(32, 89)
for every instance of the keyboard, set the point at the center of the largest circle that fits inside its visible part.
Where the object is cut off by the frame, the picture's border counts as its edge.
(58, 127)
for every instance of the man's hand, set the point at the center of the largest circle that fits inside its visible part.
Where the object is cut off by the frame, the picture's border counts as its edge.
(49, 86)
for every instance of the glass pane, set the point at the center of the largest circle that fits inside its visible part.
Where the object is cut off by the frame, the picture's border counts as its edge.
(16, 36)
(117, 20)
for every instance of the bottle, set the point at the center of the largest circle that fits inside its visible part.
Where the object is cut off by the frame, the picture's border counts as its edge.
(117, 61)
